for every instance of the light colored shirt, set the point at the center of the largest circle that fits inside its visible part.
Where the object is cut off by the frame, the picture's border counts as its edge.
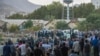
(46, 46)
(76, 46)
(23, 49)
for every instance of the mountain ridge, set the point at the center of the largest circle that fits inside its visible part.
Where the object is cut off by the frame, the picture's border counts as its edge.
(8, 7)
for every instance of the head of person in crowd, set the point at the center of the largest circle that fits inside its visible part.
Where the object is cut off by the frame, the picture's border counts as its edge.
(82, 39)
(6, 43)
(75, 39)
(10, 42)
(86, 41)
(86, 36)
(72, 51)
(27, 45)
(56, 46)
(37, 45)
(20, 41)
(1, 43)
(23, 42)
(64, 44)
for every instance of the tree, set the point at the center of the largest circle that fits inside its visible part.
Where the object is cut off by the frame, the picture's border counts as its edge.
(55, 9)
(83, 10)
(96, 11)
(92, 23)
(47, 12)
(16, 16)
(28, 24)
(38, 14)
(61, 25)
(13, 28)
(82, 26)
(36, 28)
(94, 20)
(49, 17)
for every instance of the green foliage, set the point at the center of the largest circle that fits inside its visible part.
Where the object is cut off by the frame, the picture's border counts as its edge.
(61, 25)
(83, 10)
(94, 20)
(13, 28)
(82, 26)
(36, 28)
(97, 11)
(49, 17)
(47, 12)
(28, 24)
(1, 39)
(16, 16)
(54, 10)
(92, 23)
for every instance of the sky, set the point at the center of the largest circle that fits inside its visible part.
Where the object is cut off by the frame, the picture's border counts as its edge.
(46, 2)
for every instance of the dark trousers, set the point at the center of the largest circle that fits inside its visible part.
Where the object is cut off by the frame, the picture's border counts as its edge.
(87, 54)
(82, 54)
(77, 53)
(96, 51)
(23, 55)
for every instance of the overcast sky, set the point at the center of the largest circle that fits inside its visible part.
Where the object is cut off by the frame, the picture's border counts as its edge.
(46, 2)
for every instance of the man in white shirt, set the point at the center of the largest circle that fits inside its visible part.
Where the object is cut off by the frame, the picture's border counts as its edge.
(22, 48)
(46, 46)
(76, 47)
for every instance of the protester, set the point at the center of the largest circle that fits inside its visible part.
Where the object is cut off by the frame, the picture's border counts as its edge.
(28, 50)
(99, 45)
(87, 48)
(12, 48)
(38, 51)
(46, 41)
(64, 50)
(73, 53)
(22, 48)
(81, 43)
(95, 46)
(76, 46)
(57, 51)
(6, 50)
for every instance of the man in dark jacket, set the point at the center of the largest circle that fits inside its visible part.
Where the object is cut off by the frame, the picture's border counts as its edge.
(87, 48)
(38, 51)
(6, 50)
(57, 51)
(64, 50)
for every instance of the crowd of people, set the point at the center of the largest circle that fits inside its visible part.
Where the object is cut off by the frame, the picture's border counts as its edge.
(86, 45)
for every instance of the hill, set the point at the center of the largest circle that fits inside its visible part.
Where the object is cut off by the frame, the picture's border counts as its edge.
(8, 7)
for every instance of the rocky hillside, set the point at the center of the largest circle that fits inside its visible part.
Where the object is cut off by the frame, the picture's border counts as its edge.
(8, 7)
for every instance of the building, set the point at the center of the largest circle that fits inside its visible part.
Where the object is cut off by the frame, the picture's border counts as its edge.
(96, 3)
